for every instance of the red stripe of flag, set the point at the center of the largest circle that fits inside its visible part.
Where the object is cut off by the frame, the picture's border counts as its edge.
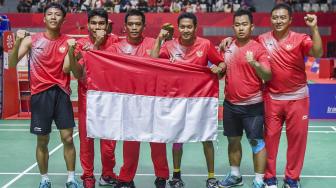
(148, 76)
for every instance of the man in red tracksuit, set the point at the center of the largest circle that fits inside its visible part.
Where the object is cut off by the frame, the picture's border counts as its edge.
(98, 39)
(136, 45)
(189, 49)
(287, 99)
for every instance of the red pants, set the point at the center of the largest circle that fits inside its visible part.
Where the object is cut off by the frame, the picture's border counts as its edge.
(131, 150)
(295, 114)
(107, 148)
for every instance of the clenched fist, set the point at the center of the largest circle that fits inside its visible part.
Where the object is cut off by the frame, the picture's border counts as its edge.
(21, 34)
(163, 34)
(100, 37)
(71, 42)
(311, 20)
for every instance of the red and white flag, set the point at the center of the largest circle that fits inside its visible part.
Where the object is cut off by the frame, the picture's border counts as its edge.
(151, 100)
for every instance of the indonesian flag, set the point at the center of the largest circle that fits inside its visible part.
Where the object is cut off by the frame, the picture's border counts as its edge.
(151, 100)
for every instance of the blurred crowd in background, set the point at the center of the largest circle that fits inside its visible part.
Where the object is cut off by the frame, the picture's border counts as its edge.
(174, 6)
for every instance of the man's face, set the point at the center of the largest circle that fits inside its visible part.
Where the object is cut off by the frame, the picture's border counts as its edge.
(187, 29)
(280, 20)
(134, 27)
(242, 27)
(53, 18)
(96, 23)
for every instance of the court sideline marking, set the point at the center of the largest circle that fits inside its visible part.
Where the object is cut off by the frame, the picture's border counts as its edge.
(25, 172)
(27, 125)
(187, 175)
(334, 128)
(220, 130)
(34, 165)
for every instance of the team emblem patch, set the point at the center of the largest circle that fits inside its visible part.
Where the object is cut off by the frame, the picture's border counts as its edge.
(289, 46)
(199, 53)
(270, 45)
(61, 49)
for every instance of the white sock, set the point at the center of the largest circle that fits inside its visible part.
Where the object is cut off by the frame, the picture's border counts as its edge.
(259, 177)
(45, 177)
(235, 171)
(71, 176)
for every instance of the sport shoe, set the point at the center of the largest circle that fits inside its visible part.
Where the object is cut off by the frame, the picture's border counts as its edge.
(160, 182)
(125, 185)
(176, 183)
(212, 183)
(256, 184)
(290, 183)
(72, 184)
(89, 182)
(45, 184)
(107, 181)
(271, 182)
(230, 181)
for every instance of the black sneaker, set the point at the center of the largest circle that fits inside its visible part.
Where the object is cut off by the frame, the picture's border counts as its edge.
(125, 184)
(160, 183)
(107, 181)
(176, 183)
(212, 183)
(271, 182)
(290, 183)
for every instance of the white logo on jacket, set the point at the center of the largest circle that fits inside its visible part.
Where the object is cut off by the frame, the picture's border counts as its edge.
(199, 53)
(62, 49)
(289, 46)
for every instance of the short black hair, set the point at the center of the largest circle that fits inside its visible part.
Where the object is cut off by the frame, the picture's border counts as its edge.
(242, 12)
(187, 15)
(98, 12)
(55, 5)
(283, 6)
(134, 12)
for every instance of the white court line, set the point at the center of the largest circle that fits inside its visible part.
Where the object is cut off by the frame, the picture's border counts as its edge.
(15, 125)
(26, 130)
(19, 124)
(326, 132)
(317, 126)
(34, 165)
(187, 175)
(27, 124)
(20, 130)
(318, 132)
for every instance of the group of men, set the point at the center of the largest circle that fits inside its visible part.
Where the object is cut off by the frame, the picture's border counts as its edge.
(265, 83)
(265, 87)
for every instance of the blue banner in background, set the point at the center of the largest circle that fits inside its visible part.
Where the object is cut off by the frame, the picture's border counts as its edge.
(4, 23)
(322, 101)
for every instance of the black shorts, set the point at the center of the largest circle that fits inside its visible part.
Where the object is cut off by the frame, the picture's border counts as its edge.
(46, 106)
(238, 118)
